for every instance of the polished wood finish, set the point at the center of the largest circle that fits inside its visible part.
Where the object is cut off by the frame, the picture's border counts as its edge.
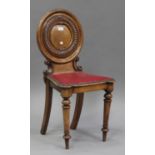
(60, 38)
(72, 31)
(66, 118)
(48, 105)
(107, 104)
(77, 111)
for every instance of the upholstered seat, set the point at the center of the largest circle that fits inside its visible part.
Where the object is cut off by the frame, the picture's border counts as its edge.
(77, 79)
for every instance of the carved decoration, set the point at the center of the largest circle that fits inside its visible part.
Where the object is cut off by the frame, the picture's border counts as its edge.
(64, 24)
(76, 66)
(107, 104)
(66, 115)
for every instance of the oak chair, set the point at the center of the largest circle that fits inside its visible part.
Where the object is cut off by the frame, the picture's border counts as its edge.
(60, 37)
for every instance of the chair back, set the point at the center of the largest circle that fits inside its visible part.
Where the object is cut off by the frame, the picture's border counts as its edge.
(60, 38)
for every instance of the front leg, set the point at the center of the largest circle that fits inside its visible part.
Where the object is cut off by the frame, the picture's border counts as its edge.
(66, 120)
(107, 104)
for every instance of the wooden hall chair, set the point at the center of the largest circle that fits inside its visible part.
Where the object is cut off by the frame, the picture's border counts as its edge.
(60, 38)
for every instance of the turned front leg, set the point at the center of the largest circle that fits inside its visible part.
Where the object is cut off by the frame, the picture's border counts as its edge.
(107, 104)
(66, 119)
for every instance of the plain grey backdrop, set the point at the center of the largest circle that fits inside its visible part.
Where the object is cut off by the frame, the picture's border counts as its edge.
(103, 23)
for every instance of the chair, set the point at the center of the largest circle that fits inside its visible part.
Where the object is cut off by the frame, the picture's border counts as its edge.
(60, 37)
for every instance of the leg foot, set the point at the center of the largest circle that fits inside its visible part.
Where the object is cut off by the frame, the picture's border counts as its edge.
(104, 134)
(67, 138)
(67, 144)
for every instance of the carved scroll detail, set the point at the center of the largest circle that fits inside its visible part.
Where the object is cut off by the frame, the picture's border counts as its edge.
(77, 67)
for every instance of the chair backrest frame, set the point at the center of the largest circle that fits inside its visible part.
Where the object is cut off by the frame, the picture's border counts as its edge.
(62, 56)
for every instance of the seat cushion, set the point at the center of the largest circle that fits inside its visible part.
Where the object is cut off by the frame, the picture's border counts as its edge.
(77, 79)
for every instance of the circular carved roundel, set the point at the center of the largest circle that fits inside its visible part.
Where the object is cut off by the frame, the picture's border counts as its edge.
(59, 36)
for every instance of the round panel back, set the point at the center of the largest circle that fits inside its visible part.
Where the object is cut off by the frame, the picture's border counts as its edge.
(59, 36)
